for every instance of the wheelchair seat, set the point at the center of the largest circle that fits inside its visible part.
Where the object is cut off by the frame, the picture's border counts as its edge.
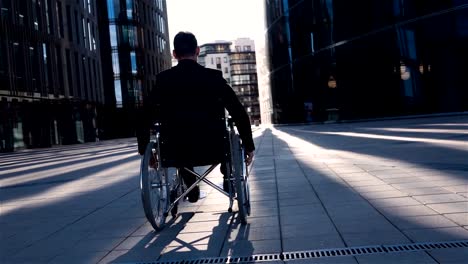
(193, 143)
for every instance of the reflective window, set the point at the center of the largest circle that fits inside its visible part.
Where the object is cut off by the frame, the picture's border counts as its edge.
(133, 62)
(58, 10)
(113, 35)
(113, 8)
(118, 93)
(115, 63)
(129, 9)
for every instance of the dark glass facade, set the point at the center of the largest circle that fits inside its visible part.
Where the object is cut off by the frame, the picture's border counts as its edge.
(50, 73)
(134, 48)
(366, 59)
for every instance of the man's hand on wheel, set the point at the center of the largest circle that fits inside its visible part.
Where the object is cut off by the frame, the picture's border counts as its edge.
(249, 158)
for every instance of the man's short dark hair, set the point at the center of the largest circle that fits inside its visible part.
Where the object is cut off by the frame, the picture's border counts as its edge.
(185, 44)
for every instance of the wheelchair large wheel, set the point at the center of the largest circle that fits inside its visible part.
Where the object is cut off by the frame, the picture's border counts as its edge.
(154, 186)
(241, 180)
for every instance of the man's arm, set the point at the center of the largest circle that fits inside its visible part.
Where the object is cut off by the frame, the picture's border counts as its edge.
(238, 113)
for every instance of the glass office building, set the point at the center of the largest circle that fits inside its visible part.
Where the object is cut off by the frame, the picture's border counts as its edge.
(336, 59)
(134, 48)
(50, 73)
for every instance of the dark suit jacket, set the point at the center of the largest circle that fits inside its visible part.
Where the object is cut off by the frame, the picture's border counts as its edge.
(189, 101)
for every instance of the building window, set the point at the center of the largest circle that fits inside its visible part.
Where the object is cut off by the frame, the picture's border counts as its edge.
(133, 62)
(58, 10)
(238, 48)
(115, 63)
(69, 73)
(225, 59)
(129, 9)
(247, 48)
(212, 61)
(226, 70)
(218, 60)
(77, 25)
(69, 24)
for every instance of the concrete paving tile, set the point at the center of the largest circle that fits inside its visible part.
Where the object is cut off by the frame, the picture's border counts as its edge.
(312, 243)
(132, 256)
(458, 189)
(200, 238)
(264, 212)
(460, 218)
(204, 227)
(304, 218)
(190, 252)
(450, 255)
(246, 247)
(440, 198)
(258, 222)
(374, 238)
(247, 233)
(366, 183)
(425, 191)
(426, 221)
(408, 179)
(447, 208)
(301, 209)
(413, 185)
(84, 257)
(89, 245)
(400, 258)
(134, 242)
(437, 234)
(383, 194)
(404, 211)
(330, 260)
(317, 228)
(364, 225)
(394, 202)
(299, 201)
(376, 188)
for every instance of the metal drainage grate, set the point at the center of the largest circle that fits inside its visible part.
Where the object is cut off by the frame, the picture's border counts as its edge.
(322, 253)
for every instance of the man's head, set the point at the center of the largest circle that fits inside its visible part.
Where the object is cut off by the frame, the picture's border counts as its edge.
(185, 46)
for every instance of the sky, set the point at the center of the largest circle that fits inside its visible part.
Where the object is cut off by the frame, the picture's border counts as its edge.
(212, 20)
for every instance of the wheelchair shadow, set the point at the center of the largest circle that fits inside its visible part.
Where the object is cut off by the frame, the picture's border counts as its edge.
(150, 246)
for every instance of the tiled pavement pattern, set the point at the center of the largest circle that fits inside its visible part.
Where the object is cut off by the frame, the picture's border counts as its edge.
(312, 187)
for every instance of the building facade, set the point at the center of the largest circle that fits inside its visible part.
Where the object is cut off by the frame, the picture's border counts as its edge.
(134, 48)
(243, 71)
(50, 73)
(236, 60)
(216, 56)
(332, 59)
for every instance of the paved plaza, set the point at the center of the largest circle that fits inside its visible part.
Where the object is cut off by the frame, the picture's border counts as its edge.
(313, 187)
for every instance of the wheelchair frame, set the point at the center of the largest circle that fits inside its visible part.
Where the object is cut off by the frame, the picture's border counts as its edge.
(160, 195)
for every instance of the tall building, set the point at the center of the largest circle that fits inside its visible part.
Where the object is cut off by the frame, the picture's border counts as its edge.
(134, 48)
(237, 62)
(74, 71)
(341, 59)
(243, 77)
(50, 72)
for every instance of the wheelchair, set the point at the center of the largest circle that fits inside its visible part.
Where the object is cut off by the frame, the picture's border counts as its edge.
(161, 192)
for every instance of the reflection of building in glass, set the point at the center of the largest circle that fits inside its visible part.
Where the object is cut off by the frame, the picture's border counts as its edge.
(50, 73)
(375, 59)
(134, 48)
(237, 62)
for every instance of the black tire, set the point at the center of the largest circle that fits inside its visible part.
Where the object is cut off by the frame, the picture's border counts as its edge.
(238, 167)
(155, 192)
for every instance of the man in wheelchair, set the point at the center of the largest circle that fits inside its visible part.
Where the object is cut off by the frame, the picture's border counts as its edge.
(189, 102)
